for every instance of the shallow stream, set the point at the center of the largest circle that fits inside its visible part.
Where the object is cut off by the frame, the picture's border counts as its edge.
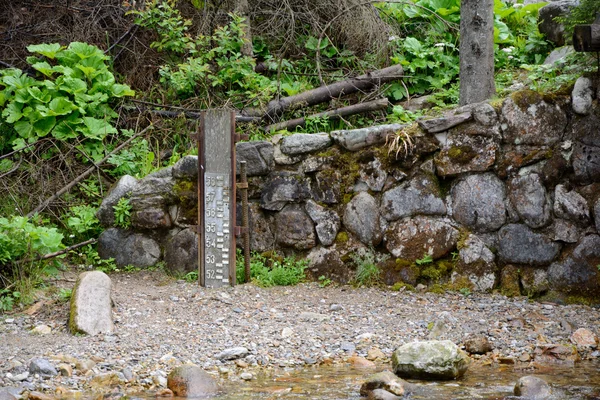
(492, 382)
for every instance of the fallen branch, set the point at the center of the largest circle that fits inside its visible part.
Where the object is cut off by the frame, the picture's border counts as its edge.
(57, 253)
(374, 105)
(87, 172)
(197, 115)
(132, 29)
(325, 93)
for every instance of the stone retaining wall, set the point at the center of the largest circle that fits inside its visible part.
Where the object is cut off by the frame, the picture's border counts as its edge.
(500, 195)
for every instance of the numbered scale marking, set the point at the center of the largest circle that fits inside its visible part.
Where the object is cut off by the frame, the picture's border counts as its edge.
(217, 201)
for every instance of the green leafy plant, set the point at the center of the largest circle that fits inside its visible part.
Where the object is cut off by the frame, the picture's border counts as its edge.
(136, 160)
(123, 213)
(426, 259)
(8, 299)
(64, 295)
(273, 270)
(191, 277)
(83, 223)
(324, 281)
(465, 291)
(367, 271)
(69, 101)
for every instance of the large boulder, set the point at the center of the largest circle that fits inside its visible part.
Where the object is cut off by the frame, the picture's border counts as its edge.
(419, 196)
(527, 119)
(520, 245)
(361, 217)
(125, 248)
(283, 188)
(301, 143)
(478, 202)
(532, 388)
(186, 168)
(295, 228)
(106, 212)
(547, 24)
(91, 304)
(411, 239)
(149, 200)
(327, 222)
(529, 199)
(578, 273)
(385, 380)
(259, 157)
(181, 251)
(191, 381)
(431, 360)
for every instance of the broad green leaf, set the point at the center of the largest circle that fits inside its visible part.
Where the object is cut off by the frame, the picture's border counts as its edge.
(84, 50)
(413, 45)
(73, 85)
(119, 90)
(90, 72)
(59, 106)
(66, 130)
(41, 96)
(45, 49)
(20, 81)
(97, 128)
(43, 126)
(24, 128)
(18, 143)
(44, 68)
(66, 71)
(12, 113)
(22, 96)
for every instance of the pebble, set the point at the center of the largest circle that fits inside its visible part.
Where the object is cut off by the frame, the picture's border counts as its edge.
(247, 376)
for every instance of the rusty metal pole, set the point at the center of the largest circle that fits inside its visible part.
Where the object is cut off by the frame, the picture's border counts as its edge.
(245, 225)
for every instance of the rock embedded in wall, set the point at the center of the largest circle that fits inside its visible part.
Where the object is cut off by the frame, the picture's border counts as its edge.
(259, 157)
(128, 248)
(578, 272)
(586, 147)
(294, 228)
(413, 238)
(581, 98)
(530, 200)
(466, 153)
(419, 196)
(519, 244)
(283, 188)
(527, 119)
(181, 251)
(327, 186)
(186, 168)
(328, 261)
(262, 236)
(327, 222)
(571, 206)
(106, 212)
(301, 143)
(476, 262)
(149, 201)
(478, 202)
(361, 217)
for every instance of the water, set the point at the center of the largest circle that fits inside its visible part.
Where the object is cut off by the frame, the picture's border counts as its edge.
(491, 382)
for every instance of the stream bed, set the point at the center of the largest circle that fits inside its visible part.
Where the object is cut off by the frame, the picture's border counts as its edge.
(343, 382)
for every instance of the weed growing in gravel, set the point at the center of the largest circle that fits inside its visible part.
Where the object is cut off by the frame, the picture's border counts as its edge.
(273, 270)
(367, 271)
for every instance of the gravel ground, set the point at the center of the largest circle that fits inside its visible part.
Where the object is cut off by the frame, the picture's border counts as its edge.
(161, 323)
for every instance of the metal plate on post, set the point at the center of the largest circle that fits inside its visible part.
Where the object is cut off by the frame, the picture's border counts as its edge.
(216, 198)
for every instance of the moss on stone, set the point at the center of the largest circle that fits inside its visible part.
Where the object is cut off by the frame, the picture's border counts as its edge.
(460, 282)
(341, 237)
(437, 289)
(396, 287)
(461, 154)
(525, 98)
(436, 271)
(73, 311)
(509, 281)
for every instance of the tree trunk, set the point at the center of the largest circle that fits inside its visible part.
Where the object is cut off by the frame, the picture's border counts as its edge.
(242, 9)
(476, 51)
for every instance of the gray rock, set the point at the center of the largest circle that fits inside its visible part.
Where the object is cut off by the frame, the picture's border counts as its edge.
(262, 228)
(191, 381)
(327, 261)
(181, 251)
(149, 201)
(385, 380)
(373, 175)
(534, 281)
(136, 250)
(478, 345)
(294, 228)
(419, 196)
(357, 139)
(478, 202)
(91, 304)
(106, 212)
(554, 31)
(582, 96)
(315, 164)
(382, 394)
(520, 245)
(578, 272)
(151, 218)
(476, 263)
(361, 217)
(444, 123)
(9, 393)
(527, 119)
(431, 360)
(466, 153)
(532, 388)
(301, 143)
(565, 231)
(413, 238)
(558, 55)
(232, 353)
(571, 206)
(259, 157)
(327, 186)
(42, 367)
(282, 189)
(186, 168)
(327, 222)
(586, 162)
(529, 199)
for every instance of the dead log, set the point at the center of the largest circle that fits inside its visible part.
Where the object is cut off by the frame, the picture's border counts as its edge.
(325, 93)
(340, 112)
